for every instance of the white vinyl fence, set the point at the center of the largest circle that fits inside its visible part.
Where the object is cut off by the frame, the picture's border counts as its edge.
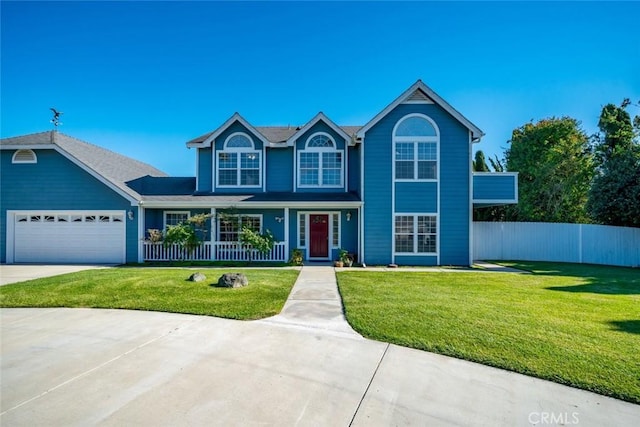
(541, 241)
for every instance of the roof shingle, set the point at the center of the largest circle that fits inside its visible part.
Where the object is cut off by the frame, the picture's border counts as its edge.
(115, 168)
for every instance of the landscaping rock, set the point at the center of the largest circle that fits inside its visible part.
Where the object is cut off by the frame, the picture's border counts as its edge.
(197, 277)
(232, 280)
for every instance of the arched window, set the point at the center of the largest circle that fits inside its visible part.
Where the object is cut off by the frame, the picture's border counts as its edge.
(238, 163)
(24, 156)
(320, 164)
(415, 146)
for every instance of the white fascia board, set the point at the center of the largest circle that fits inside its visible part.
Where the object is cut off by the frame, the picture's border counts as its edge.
(249, 205)
(319, 117)
(131, 196)
(236, 117)
(29, 147)
(475, 131)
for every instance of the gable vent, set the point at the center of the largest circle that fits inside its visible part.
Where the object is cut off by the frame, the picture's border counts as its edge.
(419, 97)
(24, 156)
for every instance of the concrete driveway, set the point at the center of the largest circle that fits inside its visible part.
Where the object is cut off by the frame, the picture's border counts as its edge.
(65, 367)
(12, 273)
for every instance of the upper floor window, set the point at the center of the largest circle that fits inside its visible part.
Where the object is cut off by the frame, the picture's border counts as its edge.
(320, 164)
(24, 156)
(415, 146)
(238, 163)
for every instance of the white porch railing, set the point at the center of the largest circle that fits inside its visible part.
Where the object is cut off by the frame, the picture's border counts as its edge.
(211, 251)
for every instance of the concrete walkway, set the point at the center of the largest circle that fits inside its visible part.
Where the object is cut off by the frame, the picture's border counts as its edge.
(315, 303)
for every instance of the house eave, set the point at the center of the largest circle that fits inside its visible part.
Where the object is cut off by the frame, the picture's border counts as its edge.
(249, 205)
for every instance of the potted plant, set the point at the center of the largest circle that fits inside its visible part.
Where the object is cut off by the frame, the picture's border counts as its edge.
(344, 258)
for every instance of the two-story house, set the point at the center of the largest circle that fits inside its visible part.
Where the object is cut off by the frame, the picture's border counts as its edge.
(399, 189)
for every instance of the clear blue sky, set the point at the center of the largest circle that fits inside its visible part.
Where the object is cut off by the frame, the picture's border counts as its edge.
(144, 78)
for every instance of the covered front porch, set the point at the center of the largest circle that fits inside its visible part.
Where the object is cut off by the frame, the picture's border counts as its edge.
(317, 230)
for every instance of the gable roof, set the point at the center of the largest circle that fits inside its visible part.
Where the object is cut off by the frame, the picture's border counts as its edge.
(431, 97)
(206, 140)
(317, 118)
(276, 136)
(112, 168)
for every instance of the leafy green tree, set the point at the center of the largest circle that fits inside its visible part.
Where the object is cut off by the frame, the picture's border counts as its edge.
(617, 131)
(479, 163)
(614, 198)
(188, 234)
(615, 192)
(262, 243)
(555, 165)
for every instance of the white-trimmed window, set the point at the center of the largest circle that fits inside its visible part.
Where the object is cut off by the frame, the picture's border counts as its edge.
(320, 164)
(335, 230)
(24, 156)
(415, 234)
(415, 147)
(230, 226)
(175, 218)
(302, 230)
(239, 163)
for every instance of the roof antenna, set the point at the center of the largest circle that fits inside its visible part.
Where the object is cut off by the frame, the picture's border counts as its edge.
(56, 118)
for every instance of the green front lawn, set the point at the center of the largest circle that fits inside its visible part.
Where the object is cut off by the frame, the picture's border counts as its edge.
(573, 324)
(157, 289)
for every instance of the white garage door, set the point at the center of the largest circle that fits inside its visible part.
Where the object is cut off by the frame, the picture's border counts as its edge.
(70, 237)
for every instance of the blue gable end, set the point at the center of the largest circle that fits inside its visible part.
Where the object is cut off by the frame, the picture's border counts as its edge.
(55, 183)
(340, 147)
(219, 146)
(446, 198)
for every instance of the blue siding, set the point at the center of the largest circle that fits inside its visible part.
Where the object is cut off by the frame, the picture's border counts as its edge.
(340, 143)
(494, 187)
(280, 169)
(454, 209)
(349, 231)
(416, 197)
(219, 145)
(354, 169)
(428, 260)
(56, 183)
(204, 169)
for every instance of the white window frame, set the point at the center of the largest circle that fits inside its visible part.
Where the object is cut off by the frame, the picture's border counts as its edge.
(15, 160)
(239, 151)
(415, 140)
(239, 216)
(320, 151)
(415, 252)
(164, 219)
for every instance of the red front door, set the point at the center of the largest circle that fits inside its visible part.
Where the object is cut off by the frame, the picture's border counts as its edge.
(319, 231)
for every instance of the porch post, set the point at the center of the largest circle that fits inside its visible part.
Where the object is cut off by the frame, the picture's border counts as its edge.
(213, 234)
(286, 234)
(141, 233)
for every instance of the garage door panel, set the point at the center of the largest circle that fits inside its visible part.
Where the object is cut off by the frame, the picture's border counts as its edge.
(77, 237)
